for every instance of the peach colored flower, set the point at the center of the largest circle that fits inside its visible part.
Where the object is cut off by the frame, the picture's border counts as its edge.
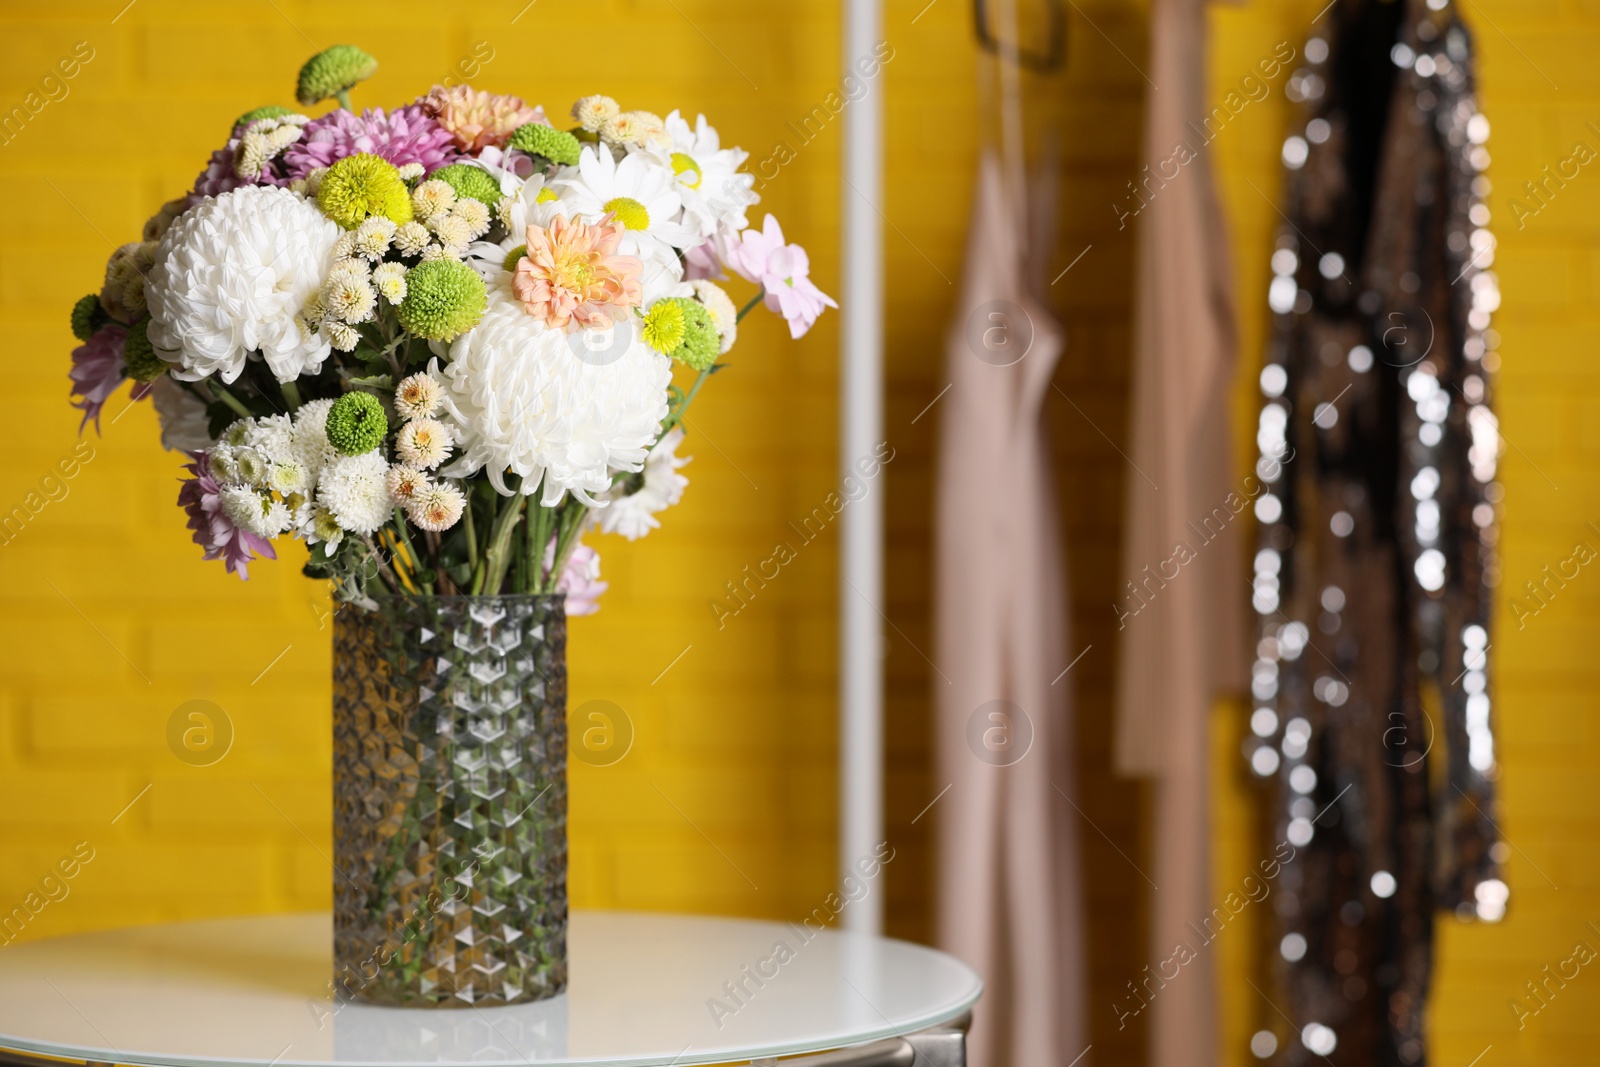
(476, 118)
(571, 272)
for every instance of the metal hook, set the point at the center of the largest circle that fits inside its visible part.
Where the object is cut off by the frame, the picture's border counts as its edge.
(1052, 59)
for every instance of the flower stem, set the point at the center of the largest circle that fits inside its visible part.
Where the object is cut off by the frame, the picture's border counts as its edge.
(754, 300)
(230, 400)
(291, 395)
(498, 557)
(343, 96)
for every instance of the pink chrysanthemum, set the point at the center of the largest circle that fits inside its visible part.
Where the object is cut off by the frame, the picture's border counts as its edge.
(477, 118)
(97, 370)
(571, 273)
(405, 135)
(220, 177)
(580, 579)
(784, 271)
(201, 497)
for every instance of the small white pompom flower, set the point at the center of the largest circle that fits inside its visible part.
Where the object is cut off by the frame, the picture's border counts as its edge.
(423, 443)
(474, 213)
(407, 484)
(289, 476)
(439, 508)
(592, 112)
(341, 335)
(349, 297)
(411, 172)
(356, 490)
(432, 197)
(411, 238)
(417, 396)
(373, 237)
(390, 281)
(453, 231)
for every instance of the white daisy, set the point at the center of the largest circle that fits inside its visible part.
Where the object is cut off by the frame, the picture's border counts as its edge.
(715, 194)
(230, 278)
(641, 192)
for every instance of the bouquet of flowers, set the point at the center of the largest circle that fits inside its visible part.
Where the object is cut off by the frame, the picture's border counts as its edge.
(436, 343)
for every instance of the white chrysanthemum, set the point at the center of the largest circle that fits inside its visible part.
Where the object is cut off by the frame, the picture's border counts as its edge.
(411, 238)
(715, 194)
(356, 490)
(251, 467)
(641, 192)
(423, 443)
(345, 246)
(321, 525)
(592, 112)
(437, 508)
(249, 510)
(390, 281)
(271, 436)
(417, 396)
(229, 279)
(311, 445)
(289, 476)
(519, 398)
(406, 484)
(634, 515)
(410, 172)
(724, 316)
(433, 252)
(184, 424)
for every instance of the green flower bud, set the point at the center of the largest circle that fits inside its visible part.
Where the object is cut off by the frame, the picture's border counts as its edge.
(270, 111)
(87, 317)
(470, 181)
(356, 424)
(558, 146)
(334, 72)
(144, 364)
(444, 299)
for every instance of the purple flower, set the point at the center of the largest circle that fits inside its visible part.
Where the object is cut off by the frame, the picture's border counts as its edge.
(97, 370)
(783, 270)
(405, 135)
(219, 176)
(201, 497)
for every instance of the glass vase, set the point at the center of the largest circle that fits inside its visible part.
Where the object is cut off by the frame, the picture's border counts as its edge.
(450, 800)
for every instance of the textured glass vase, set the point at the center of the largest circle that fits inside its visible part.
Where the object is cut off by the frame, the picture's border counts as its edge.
(450, 800)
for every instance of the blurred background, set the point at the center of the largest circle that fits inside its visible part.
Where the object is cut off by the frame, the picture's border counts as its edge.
(109, 620)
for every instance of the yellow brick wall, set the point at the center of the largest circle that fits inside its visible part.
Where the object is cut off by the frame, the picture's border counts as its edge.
(109, 621)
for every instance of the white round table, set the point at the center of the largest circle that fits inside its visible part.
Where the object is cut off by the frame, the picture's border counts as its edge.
(644, 991)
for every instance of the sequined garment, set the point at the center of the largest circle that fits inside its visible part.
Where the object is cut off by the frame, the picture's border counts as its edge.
(1376, 561)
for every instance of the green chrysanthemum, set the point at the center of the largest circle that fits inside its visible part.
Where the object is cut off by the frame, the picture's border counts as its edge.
(664, 326)
(513, 257)
(333, 73)
(144, 365)
(682, 328)
(444, 298)
(470, 181)
(270, 111)
(558, 146)
(360, 186)
(356, 424)
(87, 317)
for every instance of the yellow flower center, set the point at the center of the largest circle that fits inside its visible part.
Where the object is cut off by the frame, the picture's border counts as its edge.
(629, 212)
(513, 256)
(546, 196)
(687, 170)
